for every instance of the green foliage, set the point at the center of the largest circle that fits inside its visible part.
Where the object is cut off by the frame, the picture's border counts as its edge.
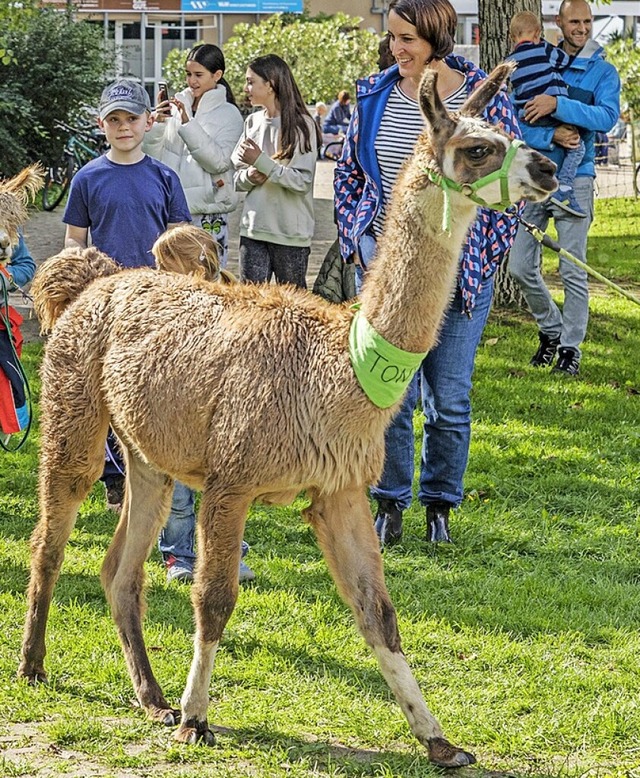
(173, 68)
(325, 53)
(325, 56)
(15, 136)
(623, 52)
(58, 65)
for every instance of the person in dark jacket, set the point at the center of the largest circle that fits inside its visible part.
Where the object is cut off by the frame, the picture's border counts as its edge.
(339, 115)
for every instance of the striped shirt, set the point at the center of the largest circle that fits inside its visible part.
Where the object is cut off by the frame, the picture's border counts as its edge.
(401, 124)
(538, 71)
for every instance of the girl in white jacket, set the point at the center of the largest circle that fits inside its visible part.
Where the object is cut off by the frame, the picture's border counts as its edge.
(275, 164)
(194, 133)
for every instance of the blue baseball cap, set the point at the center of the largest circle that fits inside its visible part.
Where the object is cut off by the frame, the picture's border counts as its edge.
(124, 95)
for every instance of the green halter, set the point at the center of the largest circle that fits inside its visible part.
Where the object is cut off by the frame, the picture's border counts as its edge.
(469, 190)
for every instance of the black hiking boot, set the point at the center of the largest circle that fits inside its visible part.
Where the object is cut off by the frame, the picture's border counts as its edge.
(546, 350)
(388, 523)
(438, 522)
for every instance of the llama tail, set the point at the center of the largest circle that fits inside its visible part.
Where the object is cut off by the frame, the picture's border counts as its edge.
(61, 279)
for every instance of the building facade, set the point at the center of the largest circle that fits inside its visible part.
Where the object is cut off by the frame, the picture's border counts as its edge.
(143, 32)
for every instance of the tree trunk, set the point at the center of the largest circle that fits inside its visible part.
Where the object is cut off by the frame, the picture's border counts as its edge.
(494, 17)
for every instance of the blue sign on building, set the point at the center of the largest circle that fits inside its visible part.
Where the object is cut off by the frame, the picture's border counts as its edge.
(242, 6)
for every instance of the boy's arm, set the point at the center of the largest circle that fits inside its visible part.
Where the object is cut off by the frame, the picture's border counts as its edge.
(76, 237)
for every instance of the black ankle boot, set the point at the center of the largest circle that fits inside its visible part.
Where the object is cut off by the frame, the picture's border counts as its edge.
(546, 352)
(438, 522)
(388, 523)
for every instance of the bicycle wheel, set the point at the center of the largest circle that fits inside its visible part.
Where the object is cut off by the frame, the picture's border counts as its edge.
(56, 182)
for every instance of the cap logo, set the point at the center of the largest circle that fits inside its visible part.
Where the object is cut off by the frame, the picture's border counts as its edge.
(121, 92)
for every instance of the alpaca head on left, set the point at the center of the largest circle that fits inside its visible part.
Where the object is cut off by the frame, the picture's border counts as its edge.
(464, 149)
(15, 193)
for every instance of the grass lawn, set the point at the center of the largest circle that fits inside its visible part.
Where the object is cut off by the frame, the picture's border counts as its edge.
(524, 635)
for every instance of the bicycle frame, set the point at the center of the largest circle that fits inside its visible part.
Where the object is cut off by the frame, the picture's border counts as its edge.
(81, 146)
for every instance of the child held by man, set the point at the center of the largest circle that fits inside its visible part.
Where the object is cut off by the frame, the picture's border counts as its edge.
(539, 67)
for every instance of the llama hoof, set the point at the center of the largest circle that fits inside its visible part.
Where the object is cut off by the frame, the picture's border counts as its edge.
(170, 717)
(193, 732)
(443, 754)
(32, 676)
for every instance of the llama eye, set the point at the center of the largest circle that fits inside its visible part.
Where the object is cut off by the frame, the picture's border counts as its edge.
(477, 152)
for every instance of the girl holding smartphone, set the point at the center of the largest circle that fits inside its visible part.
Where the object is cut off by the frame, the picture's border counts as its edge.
(194, 133)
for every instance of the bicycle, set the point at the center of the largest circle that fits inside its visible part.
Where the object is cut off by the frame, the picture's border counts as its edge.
(83, 145)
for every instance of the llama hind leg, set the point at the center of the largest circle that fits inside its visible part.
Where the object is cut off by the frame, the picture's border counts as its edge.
(214, 594)
(344, 527)
(63, 485)
(145, 509)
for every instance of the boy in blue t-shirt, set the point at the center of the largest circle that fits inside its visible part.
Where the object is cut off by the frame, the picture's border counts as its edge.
(538, 71)
(126, 199)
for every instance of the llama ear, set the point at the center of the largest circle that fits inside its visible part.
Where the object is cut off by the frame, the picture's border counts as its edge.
(26, 184)
(488, 89)
(438, 120)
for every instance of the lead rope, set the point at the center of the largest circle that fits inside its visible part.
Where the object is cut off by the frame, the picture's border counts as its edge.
(550, 243)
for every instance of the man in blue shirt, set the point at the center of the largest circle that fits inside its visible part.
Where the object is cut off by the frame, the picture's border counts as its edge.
(592, 105)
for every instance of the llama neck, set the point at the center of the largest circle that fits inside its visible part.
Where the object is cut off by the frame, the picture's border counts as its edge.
(412, 280)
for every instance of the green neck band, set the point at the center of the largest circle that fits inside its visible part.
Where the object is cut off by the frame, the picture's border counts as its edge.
(383, 370)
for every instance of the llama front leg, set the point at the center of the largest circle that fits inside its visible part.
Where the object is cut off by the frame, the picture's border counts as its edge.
(145, 509)
(214, 594)
(62, 488)
(344, 526)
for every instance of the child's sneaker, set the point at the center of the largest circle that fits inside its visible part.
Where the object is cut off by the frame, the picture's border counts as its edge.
(245, 572)
(178, 569)
(566, 199)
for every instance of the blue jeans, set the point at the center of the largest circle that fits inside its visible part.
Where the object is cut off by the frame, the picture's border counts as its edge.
(567, 171)
(178, 536)
(444, 380)
(570, 325)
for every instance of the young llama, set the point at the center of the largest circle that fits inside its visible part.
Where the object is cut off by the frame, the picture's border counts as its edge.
(273, 409)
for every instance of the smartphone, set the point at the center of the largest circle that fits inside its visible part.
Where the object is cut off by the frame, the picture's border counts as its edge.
(163, 96)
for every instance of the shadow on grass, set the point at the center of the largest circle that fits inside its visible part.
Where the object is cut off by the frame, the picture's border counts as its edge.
(322, 756)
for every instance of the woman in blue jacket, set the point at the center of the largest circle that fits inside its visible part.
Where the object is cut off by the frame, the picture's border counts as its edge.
(381, 135)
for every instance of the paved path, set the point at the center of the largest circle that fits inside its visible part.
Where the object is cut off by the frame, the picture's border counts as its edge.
(44, 234)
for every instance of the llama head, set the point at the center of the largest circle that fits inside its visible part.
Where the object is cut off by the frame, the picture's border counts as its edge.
(15, 193)
(464, 150)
